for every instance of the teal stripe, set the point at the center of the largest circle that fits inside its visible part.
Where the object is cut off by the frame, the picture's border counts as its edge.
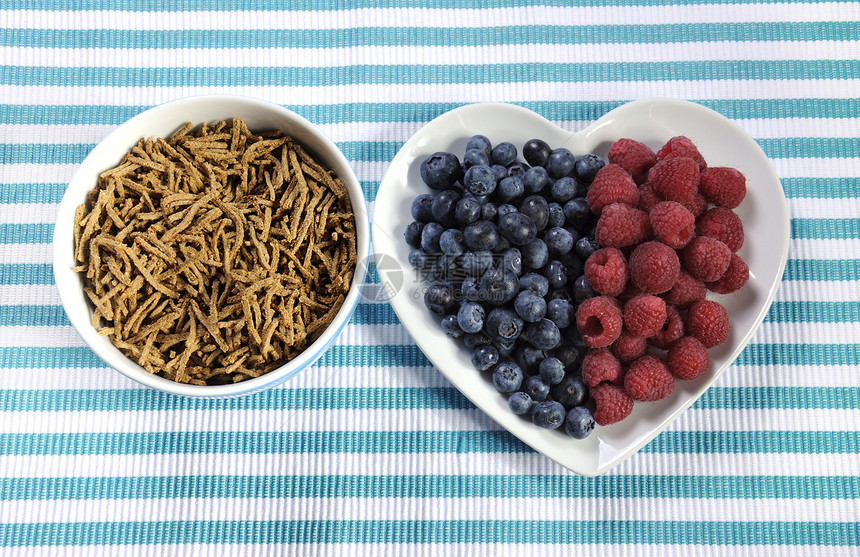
(384, 151)
(569, 486)
(318, 532)
(403, 442)
(384, 398)
(429, 73)
(825, 229)
(409, 355)
(822, 188)
(431, 36)
(337, 5)
(422, 112)
(44, 192)
(27, 233)
(795, 269)
(813, 312)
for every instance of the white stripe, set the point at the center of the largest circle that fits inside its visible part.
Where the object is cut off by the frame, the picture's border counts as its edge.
(395, 55)
(818, 291)
(825, 208)
(28, 213)
(401, 464)
(828, 250)
(416, 508)
(426, 17)
(26, 294)
(453, 92)
(26, 253)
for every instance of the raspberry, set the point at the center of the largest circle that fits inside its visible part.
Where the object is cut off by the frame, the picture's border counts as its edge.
(698, 205)
(724, 225)
(628, 347)
(634, 157)
(648, 379)
(621, 225)
(612, 404)
(706, 258)
(599, 321)
(687, 358)
(672, 329)
(687, 291)
(654, 267)
(672, 223)
(648, 197)
(723, 186)
(606, 271)
(735, 277)
(708, 321)
(611, 184)
(644, 315)
(681, 146)
(675, 179)
(600, 365)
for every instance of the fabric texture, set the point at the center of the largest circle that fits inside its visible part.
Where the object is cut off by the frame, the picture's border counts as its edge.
(372, 451)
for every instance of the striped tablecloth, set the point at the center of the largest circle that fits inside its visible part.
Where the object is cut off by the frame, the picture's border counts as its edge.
(372, 452)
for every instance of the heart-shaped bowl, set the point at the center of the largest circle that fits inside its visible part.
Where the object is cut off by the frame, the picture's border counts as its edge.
(764, 213)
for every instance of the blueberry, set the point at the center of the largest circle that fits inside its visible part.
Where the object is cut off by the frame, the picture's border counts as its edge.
(551, 370)
(430, 235)
(488, 211)
(569, 355)
(517, 169)
(520, 403)
(570, 392)
(518, 228)
(413, 233)
(560, 163)
(564, 189)
(579, 422)
(507, 377)
(535, 283)
(535, 254)
(440, 170)
(421, 208)
(443, 207)
(446, 268)
(480, 180)
(556, 215)
(577, 213)
(542, 334)
(510, 187)
(470, 317)
(469, 289)
(480, 142)
(480, 235)
(468, 210)
(475, 263)
(498, 286)
(475, 157)
(505, 346)
(474, 340)
(558, 240)
(451, 327)
(556, 273)
(586, 167)
(512, 261)
(537, 389)
(504, 209)
(503, 153)
(536, 207)
(500, 171)
(536, 179)
(582, 289)
(503, 324)
(528, 357)
(548, 414)
(530, 306)
(451, 242)
(574, 265)
(585, 246)
(561, 312)
(485, 357)
(419, 259)
(536, 152)
(439, 298)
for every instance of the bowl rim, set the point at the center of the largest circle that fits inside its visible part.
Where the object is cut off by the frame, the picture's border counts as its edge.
(119, 140)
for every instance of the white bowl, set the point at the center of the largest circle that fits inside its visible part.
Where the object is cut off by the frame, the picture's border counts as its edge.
(163, 121)
(764, 213)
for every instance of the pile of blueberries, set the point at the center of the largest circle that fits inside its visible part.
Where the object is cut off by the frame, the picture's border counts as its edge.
(502, 244)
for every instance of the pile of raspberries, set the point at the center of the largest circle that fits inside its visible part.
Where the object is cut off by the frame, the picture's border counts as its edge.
(668, 234)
